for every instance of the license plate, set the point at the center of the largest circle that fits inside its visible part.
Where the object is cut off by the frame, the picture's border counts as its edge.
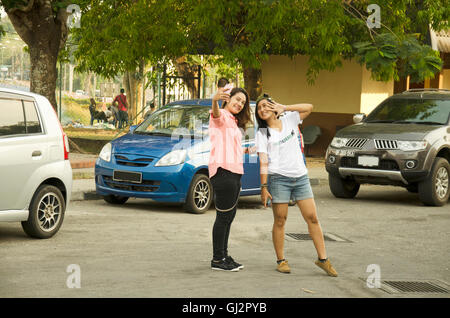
(368, 161)
(128, 176)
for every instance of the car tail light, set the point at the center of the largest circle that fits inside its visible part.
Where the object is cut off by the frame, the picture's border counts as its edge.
(66, 144)
(64, 136)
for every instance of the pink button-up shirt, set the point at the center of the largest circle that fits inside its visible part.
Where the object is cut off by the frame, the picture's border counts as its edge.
(226, 144)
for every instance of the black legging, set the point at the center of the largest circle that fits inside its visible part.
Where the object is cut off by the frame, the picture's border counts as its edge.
(227, 186)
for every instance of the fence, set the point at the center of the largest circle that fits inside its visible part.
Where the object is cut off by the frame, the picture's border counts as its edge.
(74, 110)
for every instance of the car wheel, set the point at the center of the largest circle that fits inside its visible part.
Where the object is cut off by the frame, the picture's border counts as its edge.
(343, 188)
(200, 195)
(115, 199)
(46, 212)
(434, 190)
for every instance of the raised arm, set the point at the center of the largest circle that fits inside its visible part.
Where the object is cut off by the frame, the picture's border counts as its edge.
(220, 95)
(303, 109)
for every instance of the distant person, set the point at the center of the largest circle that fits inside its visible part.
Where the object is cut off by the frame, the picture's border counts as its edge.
(108, 113)
(222, 82)
(150, 111)
(115, 112)
(225, 84)
(122, 104)
(101, 116)
(92, 110)
(110, 116)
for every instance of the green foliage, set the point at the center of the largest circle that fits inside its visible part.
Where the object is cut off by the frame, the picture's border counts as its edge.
(116, 34)
(389, 57)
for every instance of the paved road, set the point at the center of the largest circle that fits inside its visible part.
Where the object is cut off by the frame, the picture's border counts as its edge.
(146, 249)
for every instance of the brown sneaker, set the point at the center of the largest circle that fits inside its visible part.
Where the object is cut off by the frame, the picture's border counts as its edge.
(327, 267)
(283, 267)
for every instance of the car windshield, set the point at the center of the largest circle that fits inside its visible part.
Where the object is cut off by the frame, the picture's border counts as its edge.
(418, 111)
(177, 120)
(183, 120)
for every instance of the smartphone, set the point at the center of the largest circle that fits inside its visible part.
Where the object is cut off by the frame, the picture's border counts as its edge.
(227, 88)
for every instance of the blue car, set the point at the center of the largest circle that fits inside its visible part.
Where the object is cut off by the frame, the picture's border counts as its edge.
(166, 157)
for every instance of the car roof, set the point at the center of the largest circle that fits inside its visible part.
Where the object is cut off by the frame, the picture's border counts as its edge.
(18, 92)
(198, 101)
(427, 93)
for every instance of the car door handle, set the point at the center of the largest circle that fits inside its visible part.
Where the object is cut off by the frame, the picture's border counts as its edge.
(36, 153)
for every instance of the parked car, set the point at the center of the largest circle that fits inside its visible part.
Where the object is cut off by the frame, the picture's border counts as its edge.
(165, 158)
(35, 172)
(404, 141)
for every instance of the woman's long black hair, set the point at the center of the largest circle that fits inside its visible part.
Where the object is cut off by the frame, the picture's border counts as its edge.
(262, 124)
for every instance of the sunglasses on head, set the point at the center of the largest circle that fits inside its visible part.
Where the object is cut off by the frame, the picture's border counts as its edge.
(266, 96)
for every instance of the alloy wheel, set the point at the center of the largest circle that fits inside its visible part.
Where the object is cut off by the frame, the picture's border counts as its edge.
(49, 209)
(201, 194)
(441, 184)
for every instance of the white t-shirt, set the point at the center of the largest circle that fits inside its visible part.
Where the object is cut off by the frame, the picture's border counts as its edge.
(283, 148)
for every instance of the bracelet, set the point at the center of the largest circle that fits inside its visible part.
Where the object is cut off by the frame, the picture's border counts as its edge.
(264, 185)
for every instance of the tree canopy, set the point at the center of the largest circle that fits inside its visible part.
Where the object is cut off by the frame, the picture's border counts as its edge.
(116, 34)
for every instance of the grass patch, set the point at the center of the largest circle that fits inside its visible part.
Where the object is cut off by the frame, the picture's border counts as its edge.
(94, 134)
(76, 110)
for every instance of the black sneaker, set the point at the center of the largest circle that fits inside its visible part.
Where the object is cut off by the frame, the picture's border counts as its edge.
(230, 260)
(223, 265)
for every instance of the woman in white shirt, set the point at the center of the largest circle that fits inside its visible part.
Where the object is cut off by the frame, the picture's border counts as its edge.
(284, 174)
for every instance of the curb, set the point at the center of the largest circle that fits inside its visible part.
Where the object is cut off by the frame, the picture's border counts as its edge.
(83, 164)
(92, 194)
(85, 195)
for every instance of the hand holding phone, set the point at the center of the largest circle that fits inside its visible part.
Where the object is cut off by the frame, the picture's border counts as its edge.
(227, 88)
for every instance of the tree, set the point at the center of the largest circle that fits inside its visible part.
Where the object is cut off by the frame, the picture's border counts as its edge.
(246, 32)
(326, 31)
(42, 25)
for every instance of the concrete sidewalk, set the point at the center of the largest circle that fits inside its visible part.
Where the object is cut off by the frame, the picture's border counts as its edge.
(83, 186)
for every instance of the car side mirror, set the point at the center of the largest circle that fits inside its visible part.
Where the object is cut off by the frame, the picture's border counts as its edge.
(357, 118)
(132, 128)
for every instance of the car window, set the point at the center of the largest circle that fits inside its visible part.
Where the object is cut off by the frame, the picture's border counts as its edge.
(177, 120)
(411, 110)
(32, 123)
(12, 121)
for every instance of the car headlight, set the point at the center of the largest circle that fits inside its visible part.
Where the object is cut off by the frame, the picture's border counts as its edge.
(172, 158)
(339, 142)
(411, 145)
(105, 153)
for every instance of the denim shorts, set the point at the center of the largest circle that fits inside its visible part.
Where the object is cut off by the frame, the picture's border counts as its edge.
(283, 189)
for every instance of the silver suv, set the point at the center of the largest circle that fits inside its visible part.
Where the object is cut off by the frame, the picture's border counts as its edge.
(405, 141)
(35, 172)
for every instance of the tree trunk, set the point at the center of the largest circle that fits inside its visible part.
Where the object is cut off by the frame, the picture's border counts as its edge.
(188, 72)
(253, 82)
(45, 31)
(129, 82)
(43, 73)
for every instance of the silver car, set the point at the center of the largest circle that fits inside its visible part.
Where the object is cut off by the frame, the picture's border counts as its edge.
(35, 172)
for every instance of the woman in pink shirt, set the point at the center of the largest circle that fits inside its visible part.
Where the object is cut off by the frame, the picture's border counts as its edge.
(226, 167)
